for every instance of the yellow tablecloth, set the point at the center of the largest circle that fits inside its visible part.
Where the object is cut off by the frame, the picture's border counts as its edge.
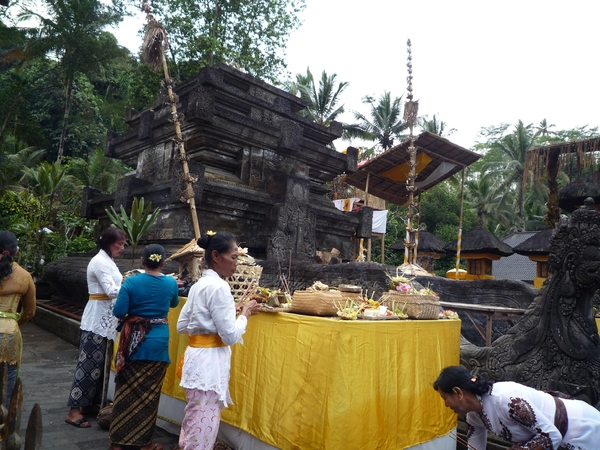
(302, 382)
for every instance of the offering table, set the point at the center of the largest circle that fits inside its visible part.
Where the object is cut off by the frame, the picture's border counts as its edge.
(305, 382)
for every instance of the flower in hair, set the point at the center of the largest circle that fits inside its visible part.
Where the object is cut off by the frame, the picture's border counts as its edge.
(155, 257)
(210, 233)
(474, 379)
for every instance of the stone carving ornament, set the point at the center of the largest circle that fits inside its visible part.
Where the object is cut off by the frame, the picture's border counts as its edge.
(555, 346)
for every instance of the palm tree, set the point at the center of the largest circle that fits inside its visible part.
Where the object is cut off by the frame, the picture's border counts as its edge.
(435, 126)
(15, 156)
(481, 198)
(46, 181)
(513, 150)
(73, 33)
(323, 100)
(99, 171)
(544, 129)
(384, 124)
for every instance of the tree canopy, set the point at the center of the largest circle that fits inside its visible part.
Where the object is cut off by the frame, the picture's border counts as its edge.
(249, 35)
(383, 125)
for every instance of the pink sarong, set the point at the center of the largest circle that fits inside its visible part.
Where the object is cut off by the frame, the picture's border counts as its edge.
(202, 416)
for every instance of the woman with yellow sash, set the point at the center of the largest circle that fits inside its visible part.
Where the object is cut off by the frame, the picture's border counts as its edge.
(209, 317)
(98, 328)
(16, 287)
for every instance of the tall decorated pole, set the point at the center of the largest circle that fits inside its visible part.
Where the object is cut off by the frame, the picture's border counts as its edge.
(460, 221)
(153, 52)
(411, 109)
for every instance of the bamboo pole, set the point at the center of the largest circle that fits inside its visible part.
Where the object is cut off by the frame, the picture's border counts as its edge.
(153, 52)
(460, 220)
(416, 249)
(411, 109)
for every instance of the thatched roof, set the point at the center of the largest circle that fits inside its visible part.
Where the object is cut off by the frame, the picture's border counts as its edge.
(189, 248)
(538, 244)
(428, 242)
(446, 160)
(480, 241)
(539, 158)
(573, 194)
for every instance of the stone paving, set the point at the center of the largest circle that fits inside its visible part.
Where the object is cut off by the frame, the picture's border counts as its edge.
(46, 373)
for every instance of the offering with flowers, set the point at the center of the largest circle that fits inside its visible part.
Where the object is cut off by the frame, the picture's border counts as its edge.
(406, 285)
(449, 314)
(367, 308)
(416, 301)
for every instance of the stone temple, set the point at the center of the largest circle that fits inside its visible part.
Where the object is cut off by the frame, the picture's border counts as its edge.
(263, 172)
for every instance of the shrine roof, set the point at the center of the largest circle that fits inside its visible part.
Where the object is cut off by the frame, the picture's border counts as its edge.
(481, 241)
(440, 160)
(538, 244)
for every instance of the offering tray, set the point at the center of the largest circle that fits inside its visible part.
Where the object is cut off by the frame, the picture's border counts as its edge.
(363, 317)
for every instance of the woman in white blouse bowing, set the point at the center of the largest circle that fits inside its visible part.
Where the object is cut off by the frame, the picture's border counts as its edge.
(528, 418)
(98, 327)
(209, 317)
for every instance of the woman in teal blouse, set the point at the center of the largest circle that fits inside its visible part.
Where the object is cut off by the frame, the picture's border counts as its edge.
(143, 355)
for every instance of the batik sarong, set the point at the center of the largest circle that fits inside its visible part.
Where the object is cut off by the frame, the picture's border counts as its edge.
(135, 408)
(89, 373)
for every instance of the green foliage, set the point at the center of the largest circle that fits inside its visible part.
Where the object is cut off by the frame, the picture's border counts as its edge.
(247, 34)
(99, 171)
(383, 125)
(441, 206)
(135, 224)
(435, 126)
(72, 31)
(322, 101)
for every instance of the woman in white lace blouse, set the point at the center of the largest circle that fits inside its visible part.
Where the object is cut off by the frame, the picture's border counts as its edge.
(209, 317)
(98, 327)
(528, 418)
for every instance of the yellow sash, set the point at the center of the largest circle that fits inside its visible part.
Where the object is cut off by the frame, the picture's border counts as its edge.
(8, 315)
(200, 341)
(99, 297)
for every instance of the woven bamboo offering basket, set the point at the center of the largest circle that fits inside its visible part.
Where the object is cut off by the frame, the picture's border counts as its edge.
(351, 292)
(316, 303)
(245, 278)
(426, 307)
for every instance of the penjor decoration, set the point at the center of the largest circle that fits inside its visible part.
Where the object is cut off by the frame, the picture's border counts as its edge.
(153, 52)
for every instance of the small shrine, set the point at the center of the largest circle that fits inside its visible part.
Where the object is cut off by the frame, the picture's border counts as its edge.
(480, 248)
(536, 248)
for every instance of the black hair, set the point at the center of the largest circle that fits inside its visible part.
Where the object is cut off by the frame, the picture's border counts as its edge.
(109, 237)
(150, 260)
(458, 376)
(8, 248)
(221, 242)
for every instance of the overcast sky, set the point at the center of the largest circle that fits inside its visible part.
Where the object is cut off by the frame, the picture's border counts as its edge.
(475, 63)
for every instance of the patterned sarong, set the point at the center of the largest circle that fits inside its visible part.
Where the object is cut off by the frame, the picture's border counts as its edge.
(137, 393)
(133, 332)
(89, 373)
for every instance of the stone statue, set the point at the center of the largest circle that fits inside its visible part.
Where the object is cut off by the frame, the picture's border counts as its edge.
(555, 345)
(10, 417)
